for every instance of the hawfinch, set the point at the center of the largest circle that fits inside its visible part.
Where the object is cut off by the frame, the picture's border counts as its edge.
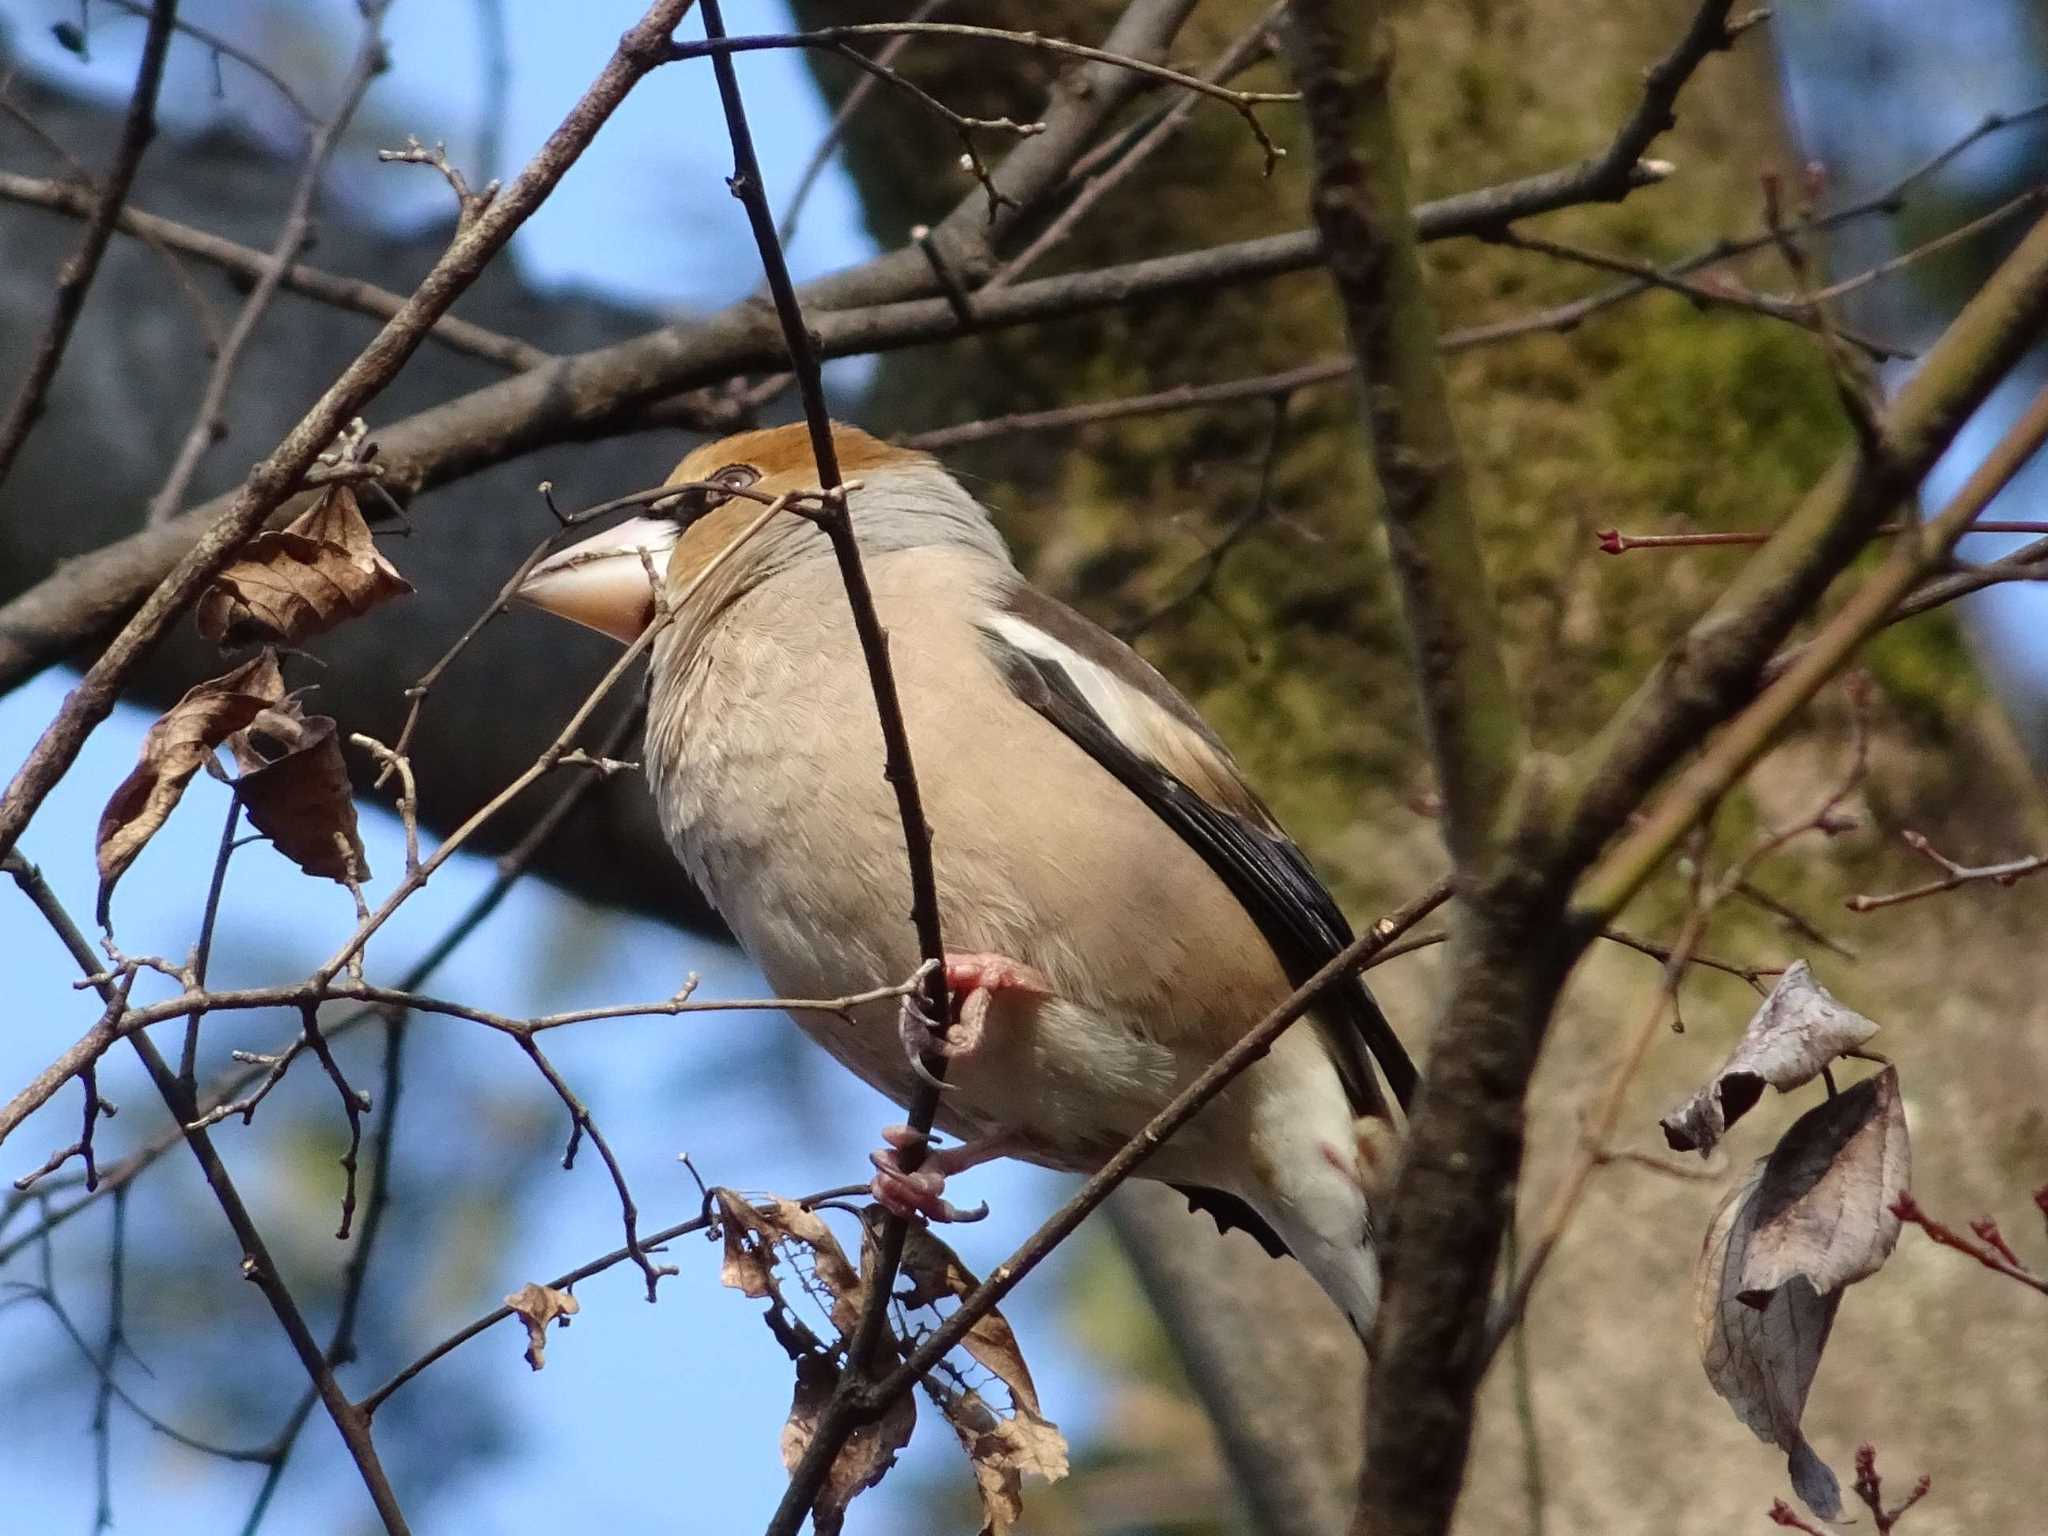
(1118, 905)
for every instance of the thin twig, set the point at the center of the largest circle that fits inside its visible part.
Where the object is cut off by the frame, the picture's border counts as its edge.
(81, 197)
(138, 127)
(2011, 872)
(225, 48)
(209, 422)
(257, 1263)
(249, 265)
(1249, 46)
(835, 39)
(642, 49)
(842, 119)
(202, 951)
(1995, 1257)
(562, 1282)
(898, 769)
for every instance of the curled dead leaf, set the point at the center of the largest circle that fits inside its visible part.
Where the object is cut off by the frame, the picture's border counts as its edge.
(1763, 1360)
(868, 1454)
(321, 570)
(537, 1306)
(178, 744)
(296, 790)
(754, 1233)
(1796, 1032)
(1812, 1218)
(1824, 1206)
(759, 1237)
(1003, 1447)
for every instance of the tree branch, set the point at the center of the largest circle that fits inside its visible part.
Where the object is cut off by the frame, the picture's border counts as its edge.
(257, 1264)
(642, 49)
(1360, 203)
(877, 306)
(1714, 669)
(250, 265)
(76, 276)
(209, 422)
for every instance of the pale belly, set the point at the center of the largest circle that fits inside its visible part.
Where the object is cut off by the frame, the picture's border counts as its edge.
(793, 836)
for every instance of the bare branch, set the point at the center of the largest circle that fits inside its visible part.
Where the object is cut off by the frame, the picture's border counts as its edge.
(641, 49)
(1953, 875)
(1729, 646)
(223, 48)
(836, 38)
(257, 1263)
(1360, 202)
(210, 423)
(137, 129)
(250, 265)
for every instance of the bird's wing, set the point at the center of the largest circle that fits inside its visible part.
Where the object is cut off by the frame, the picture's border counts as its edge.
(1127, 717)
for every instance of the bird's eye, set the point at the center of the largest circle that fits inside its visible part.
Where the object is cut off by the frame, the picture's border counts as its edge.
(686, 506)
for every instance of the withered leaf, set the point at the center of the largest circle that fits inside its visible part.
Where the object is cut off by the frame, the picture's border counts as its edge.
(869, 1452)
(295, 788)
(752, 1233)
(1810, 1219)
(1002, 1447)
(758, 1237)
(321, 570)
(180, 742)
(1763, 1360)
(1797, 1031)
(537, 1306)
(1823, 1207)
(748, 1265)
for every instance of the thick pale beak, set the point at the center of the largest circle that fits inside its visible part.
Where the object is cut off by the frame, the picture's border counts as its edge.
(604, 582)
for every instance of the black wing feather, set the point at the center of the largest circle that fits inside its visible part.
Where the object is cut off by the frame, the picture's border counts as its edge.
(1267, 874)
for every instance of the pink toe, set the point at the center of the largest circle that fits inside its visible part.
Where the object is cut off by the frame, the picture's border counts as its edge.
(982, 972)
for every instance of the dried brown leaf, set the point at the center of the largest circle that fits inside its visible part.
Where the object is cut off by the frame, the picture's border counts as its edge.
(752, 1234)
(181, 741)
(1809, 1220)
(537, 1306)
(1823, 1208)
(868, 1454)
(935, 1271)
(295, 787)
(301, 580)
(749, 1263)
(1002, 1447)
(1763, 1360)
(1797, 1031)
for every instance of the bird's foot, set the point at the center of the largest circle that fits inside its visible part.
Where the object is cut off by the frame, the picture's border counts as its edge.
(910, 1193)
(972, 982)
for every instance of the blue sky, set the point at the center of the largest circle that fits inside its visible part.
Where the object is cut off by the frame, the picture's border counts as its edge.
(642, 1411)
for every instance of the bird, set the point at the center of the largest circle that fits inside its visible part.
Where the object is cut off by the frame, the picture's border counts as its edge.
(1118, 904)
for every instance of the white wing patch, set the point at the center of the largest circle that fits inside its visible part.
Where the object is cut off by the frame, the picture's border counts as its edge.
(1135, 719)
(1146, 729)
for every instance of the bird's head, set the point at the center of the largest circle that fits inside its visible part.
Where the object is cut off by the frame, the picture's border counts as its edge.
(903, 498)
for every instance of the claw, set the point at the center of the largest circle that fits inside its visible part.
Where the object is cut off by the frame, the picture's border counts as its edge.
(919, 1034)
(911, 1194)
(972, 982)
